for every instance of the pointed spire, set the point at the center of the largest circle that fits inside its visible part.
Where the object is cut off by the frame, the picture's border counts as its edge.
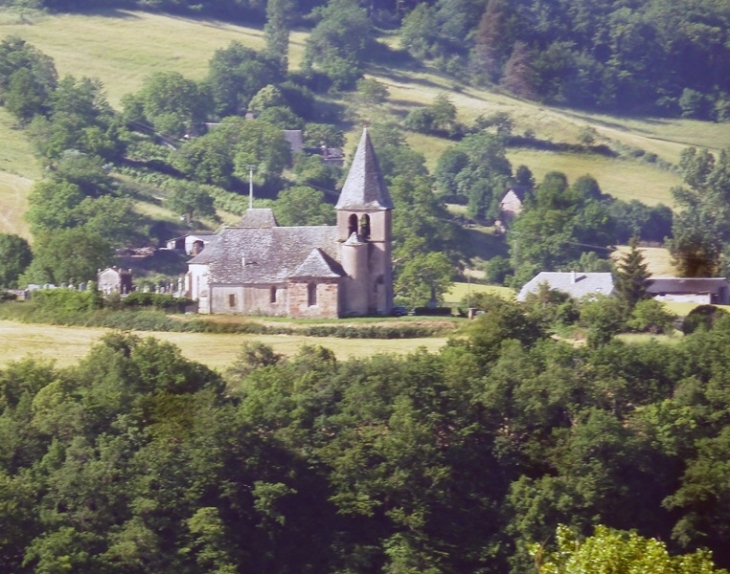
(365, 187)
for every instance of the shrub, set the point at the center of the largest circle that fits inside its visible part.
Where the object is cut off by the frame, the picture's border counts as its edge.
(702, 317)
(63, 301)
(156, 300)
(651, 316)
(420, 120)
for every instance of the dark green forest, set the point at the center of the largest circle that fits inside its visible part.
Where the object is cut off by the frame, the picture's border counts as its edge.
(465, 461)
(667, 57)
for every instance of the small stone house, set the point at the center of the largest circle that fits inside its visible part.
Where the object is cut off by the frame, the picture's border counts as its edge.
(115, 280)
(511, 205)
(259, 267)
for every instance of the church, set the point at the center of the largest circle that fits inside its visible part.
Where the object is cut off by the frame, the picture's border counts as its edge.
(261, 268)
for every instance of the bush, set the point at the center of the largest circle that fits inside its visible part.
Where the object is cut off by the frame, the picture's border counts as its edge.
(5, 296)
(157, 300)
(141, 319)
(419, 120)
(432, 311)
(64, 301)
(701, 318)
(650, 316)
(497, 269)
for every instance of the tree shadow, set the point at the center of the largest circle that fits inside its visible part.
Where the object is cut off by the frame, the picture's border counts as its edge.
(116, 13)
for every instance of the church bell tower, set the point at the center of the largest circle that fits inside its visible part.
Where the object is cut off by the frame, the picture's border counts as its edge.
(364, 212)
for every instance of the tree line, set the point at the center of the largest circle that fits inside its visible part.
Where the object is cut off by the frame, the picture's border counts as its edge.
(466, 460)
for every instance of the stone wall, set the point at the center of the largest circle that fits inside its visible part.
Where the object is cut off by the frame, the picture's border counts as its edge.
(254, 300)
(327, 305)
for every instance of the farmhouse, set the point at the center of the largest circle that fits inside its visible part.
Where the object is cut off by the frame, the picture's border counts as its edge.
(575, 284)
(259, 267)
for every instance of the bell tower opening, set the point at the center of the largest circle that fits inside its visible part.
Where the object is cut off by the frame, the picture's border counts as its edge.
(351, 225)
(365, 226)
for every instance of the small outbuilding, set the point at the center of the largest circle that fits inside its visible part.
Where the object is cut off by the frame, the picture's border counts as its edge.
(115, 280)
(191, 243)
(703, 290)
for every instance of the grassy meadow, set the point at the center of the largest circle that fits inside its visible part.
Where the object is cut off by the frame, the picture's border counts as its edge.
(623, 179)
(658, 260)
(14, 191)
(122, 47)
(460, 290)
(67, 345)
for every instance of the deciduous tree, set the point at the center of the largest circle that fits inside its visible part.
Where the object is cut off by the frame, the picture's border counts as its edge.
(15, 256)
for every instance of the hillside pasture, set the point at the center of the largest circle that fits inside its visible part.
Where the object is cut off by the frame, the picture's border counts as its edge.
(658, 260)
(460, 290)
(621, 178)
(122, 47)
(67, 345)
(14, 191)
(16, 152)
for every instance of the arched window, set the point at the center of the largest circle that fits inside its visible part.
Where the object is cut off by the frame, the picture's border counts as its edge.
(312, 294)
(272, 294)
(365, 226)
(351, 225)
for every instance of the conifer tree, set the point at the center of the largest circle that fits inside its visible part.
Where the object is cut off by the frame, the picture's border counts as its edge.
(632, 277)
(276, 32)
(489, 42)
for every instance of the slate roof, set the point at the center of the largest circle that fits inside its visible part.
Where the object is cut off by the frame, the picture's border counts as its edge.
(295, 139)
(686, 285)
(258, 218)
(270, 255)
(365, 187)
(318, 264)
(582, 284)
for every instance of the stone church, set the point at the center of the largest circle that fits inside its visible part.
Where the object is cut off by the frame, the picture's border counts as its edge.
(261, 268)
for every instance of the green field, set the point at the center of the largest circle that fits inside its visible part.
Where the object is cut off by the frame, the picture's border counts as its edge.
(658, 260)
(122, 47)
(621, 178)
(66, 345)
(460, 290)
(13, 203)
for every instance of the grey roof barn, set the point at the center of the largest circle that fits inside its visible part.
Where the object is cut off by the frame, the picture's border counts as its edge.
(575, 284)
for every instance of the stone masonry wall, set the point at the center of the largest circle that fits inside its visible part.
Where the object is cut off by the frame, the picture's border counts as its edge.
(327, 306)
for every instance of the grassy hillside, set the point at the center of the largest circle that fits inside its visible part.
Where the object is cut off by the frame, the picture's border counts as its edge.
(18, 169)
(622, 178)
(658, 260)
(14, 191)
(122, 47)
